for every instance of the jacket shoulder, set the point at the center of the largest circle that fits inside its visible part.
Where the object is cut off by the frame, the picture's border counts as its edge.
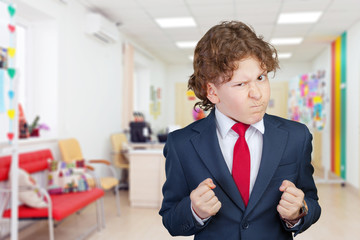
(287, 124)
(188, 131)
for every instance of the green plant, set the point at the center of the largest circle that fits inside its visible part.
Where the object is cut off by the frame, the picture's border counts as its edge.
(34, 124)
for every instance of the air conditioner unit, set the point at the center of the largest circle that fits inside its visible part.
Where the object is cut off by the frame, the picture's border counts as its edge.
(101, 28)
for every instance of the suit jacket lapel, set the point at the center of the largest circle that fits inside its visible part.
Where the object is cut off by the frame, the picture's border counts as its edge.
(207, 146)
(274, 142)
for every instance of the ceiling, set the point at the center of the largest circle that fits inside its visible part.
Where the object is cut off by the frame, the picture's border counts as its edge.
(137, 22)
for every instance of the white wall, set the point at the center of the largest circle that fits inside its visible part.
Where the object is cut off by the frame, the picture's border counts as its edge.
(288, 70)
(83, 75)
(352, 101)
(149, 71)
(42, 72)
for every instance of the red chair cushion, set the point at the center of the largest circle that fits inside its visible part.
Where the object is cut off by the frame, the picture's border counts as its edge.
(63, 205)
(30, 162)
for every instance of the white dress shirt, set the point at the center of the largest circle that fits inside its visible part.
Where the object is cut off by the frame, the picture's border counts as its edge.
(228, 137)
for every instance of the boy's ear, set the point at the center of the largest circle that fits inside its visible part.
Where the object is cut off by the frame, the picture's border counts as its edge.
(212, 93)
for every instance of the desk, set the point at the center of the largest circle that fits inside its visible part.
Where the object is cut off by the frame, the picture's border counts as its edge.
(150, 145)
(146, 175)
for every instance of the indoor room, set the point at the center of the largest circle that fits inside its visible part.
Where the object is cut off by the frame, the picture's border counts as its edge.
(95, 101)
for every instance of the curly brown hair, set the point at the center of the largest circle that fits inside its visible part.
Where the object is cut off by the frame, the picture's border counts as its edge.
(218, 52)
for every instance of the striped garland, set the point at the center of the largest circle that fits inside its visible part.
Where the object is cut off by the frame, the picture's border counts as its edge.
(338, 106)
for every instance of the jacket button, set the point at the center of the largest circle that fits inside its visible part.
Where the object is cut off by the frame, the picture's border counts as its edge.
(245, 225)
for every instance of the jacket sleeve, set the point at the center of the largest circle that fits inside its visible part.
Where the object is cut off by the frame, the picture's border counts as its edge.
(175, 209)
(307, 185)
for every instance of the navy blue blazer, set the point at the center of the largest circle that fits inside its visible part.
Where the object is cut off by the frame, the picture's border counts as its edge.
(193, 154)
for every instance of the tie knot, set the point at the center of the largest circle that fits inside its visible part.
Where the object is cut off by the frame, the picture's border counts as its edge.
(240, 128)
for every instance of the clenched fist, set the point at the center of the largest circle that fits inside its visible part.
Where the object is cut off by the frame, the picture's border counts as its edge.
(203, 200)
(291, 200)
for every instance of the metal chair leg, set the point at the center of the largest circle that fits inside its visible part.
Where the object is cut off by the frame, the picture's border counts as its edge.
(103, 212)
(117, 199)
(98, 215)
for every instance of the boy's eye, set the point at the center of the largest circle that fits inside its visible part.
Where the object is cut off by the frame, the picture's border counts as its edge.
(262, 77)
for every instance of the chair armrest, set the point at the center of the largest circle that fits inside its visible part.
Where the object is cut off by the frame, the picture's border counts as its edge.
(43, 191)
(91, 168)
(45, 195)
(103, 161)
(21, 188)
(96, 178)
(109, 165)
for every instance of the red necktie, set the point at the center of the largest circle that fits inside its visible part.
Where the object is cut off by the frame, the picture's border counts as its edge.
(241, 162)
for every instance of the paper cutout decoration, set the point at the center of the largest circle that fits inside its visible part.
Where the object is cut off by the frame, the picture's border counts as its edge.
(191, 95)
(9, 65)
(11, 52)
(11, 72)
(11, 28)
(11, 113)
(11, 94)
(11, 10)
(10, 136)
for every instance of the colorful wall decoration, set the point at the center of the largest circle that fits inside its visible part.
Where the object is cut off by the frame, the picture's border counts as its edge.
(307, 98)
(338, 106)
(7, 67)
(197, 113)
(155, 104)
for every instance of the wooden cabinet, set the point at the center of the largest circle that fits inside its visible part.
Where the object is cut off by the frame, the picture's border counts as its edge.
(146, 177)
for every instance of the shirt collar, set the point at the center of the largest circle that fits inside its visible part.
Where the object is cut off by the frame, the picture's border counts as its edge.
(224, 123)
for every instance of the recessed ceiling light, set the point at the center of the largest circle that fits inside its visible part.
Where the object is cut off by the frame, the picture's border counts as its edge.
(176, 22)
(284, 55)
(286, 41)
(186, 44)
(299, 17)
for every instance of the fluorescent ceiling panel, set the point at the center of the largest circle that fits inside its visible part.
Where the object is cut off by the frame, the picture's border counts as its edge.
(176, 22)
(286, 41)
(299, 17)
(284, 55)
(186, 44)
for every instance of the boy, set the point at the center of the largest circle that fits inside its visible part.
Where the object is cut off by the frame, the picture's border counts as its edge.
(239, 173)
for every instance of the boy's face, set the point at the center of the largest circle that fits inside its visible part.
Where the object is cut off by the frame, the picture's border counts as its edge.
(245, 97)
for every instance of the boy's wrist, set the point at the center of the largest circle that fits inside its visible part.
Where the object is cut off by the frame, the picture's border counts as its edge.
(303, 212)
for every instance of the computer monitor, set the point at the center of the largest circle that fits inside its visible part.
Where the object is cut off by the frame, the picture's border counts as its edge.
(139, 132)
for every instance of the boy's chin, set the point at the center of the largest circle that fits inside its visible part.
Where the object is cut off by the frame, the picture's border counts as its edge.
(255, 119)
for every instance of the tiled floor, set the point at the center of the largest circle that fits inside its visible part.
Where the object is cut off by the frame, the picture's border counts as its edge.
(339, 220)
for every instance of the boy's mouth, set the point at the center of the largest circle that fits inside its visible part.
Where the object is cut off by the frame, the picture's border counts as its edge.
(256, 106)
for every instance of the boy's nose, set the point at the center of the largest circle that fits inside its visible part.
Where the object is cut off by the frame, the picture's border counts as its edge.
(255, 92)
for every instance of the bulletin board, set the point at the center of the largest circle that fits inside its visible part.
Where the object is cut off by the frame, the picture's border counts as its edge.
(306, 103)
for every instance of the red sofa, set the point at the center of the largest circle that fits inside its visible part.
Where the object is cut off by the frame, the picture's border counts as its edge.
(62, 205)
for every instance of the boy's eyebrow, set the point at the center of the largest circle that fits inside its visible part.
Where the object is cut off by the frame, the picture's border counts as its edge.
(264, 72)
